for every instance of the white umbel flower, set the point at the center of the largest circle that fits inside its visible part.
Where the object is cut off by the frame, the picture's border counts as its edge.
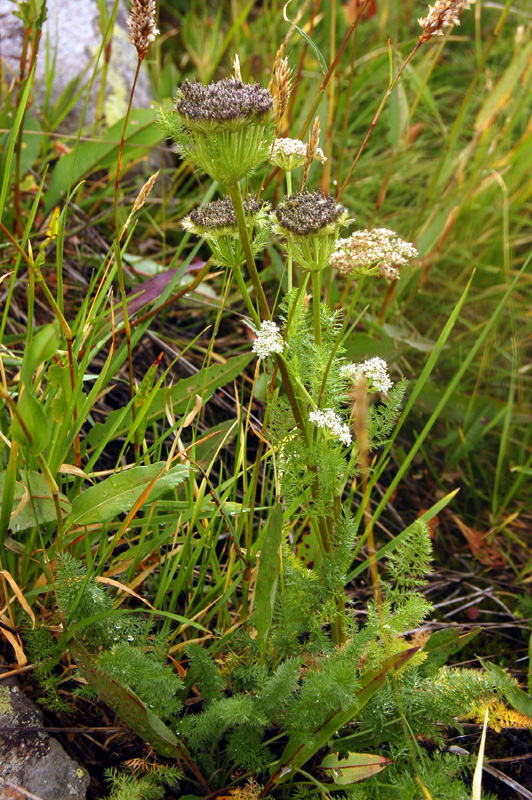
(329, 419)
(268, 341)
(379, 251)
(291, 153)
(374, 371)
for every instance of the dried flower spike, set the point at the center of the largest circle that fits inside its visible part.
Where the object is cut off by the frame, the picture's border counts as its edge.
(283, 87)
(141, 25)
(376, 252)
(142, 196)
(313, 142)
(444, 14)
(225, 128)
(268, 341)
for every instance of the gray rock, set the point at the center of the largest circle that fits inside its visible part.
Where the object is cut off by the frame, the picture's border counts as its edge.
(72, 36)
(31, 763)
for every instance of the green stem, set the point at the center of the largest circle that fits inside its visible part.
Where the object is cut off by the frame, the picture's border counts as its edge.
(316, 302)
(240, 215)
(54, 490)
(289, 264)
(245, 294)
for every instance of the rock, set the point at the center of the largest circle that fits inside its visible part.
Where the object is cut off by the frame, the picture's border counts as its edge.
(30, 760)
(73, 36)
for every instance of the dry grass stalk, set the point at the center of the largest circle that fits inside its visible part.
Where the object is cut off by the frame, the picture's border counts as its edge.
(312, 149)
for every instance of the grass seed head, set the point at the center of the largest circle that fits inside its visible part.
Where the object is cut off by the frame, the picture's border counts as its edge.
(443, 14)
(141, 25)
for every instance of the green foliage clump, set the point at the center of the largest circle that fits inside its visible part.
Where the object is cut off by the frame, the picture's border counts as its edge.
(44, 653)
(141, 671)
(127, 786)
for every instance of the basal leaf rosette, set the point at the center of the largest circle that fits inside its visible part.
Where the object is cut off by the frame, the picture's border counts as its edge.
(225, 128)
(216, 223)
(310, 222)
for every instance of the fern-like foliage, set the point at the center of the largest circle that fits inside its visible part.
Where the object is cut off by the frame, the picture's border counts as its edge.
(127, 786)
(139, 670)
(80, 598)
(383, 416)
(43, 652)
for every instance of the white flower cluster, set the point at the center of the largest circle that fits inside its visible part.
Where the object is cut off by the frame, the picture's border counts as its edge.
(291, 153)
(327, 418)
(374, 371)
(368, 252)
(268, 340)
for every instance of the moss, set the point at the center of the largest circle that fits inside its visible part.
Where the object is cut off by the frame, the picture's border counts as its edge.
(6, 709)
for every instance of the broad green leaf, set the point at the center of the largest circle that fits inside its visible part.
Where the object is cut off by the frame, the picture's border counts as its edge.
(267, 577)
(141, 136)
(128, 706)
(42, 347)
(443, 644)
(213, 439)
(179, 397)
(353, 768)
(517, 698)
(296, 754)
(39, 508)
(31, 430)
(120, 492)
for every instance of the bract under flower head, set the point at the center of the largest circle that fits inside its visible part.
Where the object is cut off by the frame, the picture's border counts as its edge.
(225, 128)
(379, 251)
(216, 222)
(310, 221)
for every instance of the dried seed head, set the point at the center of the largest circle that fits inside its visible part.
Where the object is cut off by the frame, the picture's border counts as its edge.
(222, 102)
(141, 25)
(310, 221)
(141, 197)
(291, 153)
(283, 89)
(216, 223)
(379, 251)
(218, 216)
(309, 213)
(225, 128)
(444, 14)
(313, 142)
